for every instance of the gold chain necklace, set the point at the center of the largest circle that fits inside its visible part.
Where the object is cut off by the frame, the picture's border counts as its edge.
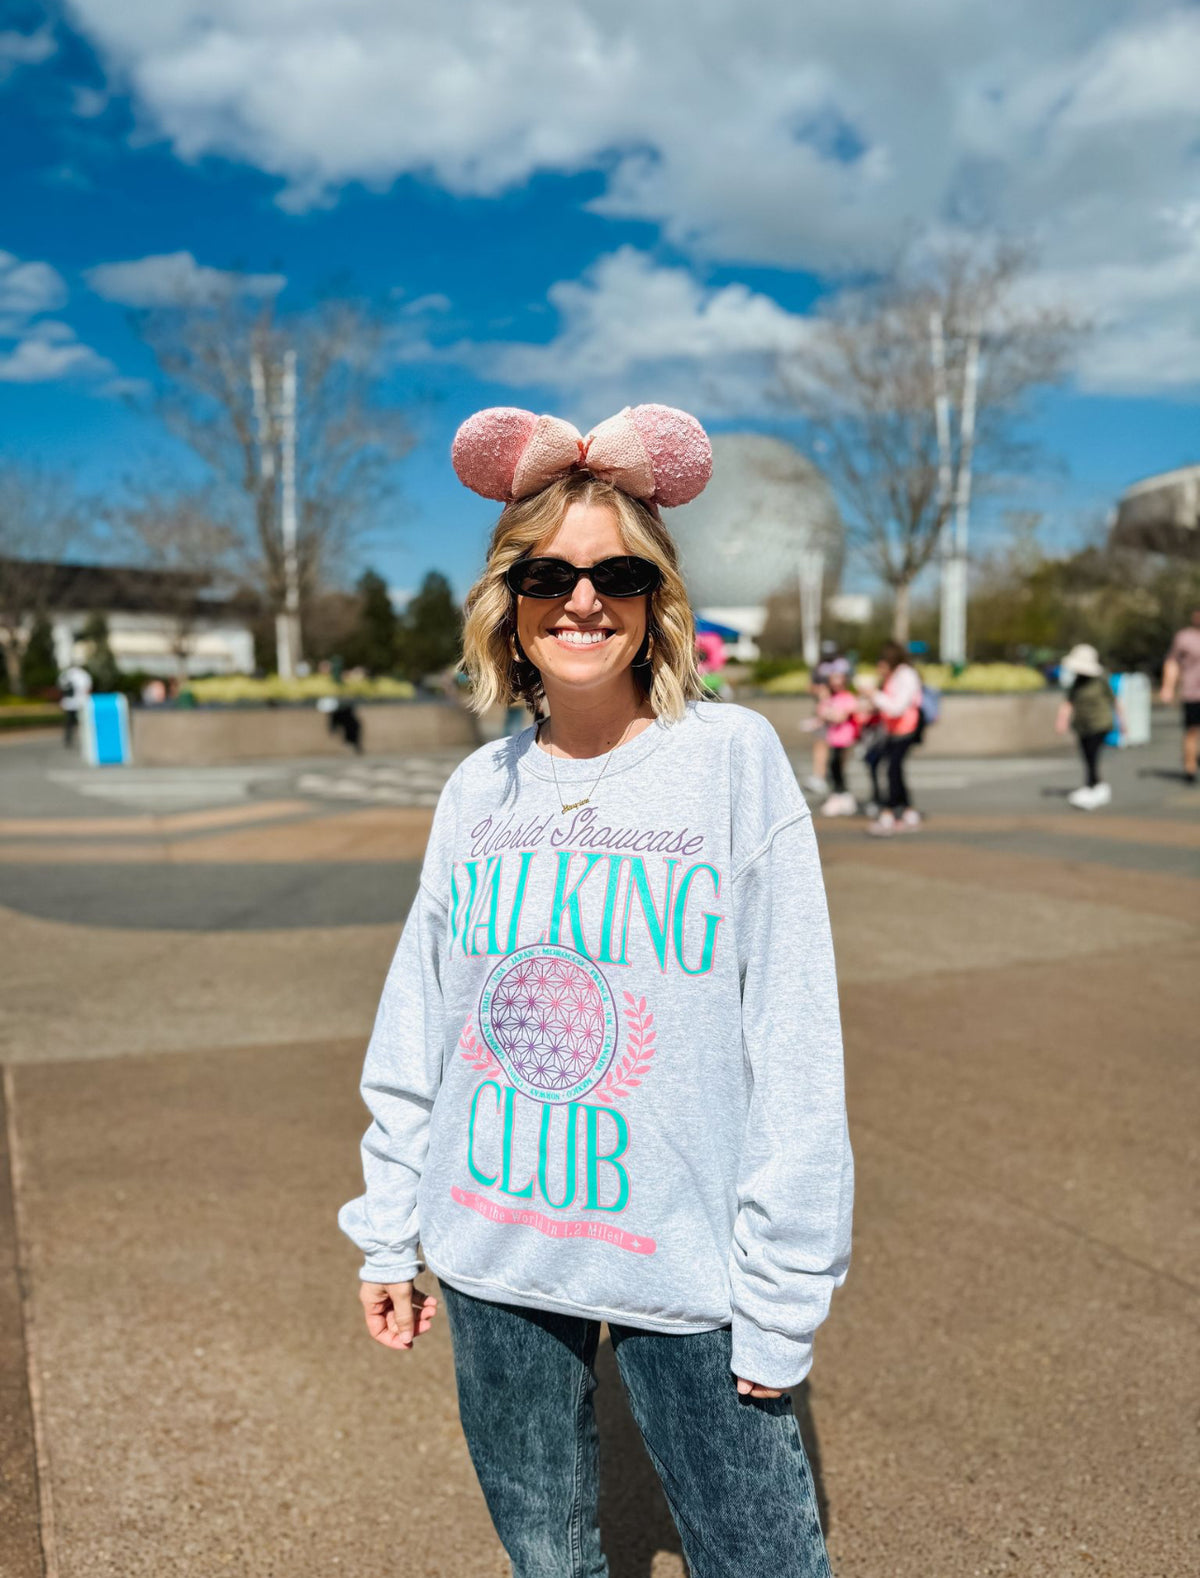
(575, 804)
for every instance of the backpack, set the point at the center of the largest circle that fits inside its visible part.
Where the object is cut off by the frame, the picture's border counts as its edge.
(930, 709)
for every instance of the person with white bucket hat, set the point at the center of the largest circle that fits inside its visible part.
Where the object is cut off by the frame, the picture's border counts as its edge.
(1090, 709)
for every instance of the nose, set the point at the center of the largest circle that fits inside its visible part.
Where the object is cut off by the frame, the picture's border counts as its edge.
(583, 599)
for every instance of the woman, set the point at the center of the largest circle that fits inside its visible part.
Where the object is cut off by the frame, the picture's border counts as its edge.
(606, 1072)
(897, 699)
(838, 717)
(817, 781)
(1090, 710)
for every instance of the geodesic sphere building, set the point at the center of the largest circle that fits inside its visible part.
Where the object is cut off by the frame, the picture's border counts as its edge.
(743, 538)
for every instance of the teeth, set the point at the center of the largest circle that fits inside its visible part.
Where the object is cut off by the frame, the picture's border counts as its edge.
(581, 638)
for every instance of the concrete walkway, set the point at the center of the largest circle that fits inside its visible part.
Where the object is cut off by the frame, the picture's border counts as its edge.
(1008, 1381)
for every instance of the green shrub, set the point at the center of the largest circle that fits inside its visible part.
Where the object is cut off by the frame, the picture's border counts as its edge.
(16, 714)
(768, 668)
(977, 678)
(241, 687)
(792, 682)
(983, 678)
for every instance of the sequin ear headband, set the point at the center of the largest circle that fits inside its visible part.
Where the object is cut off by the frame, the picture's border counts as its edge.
(652, 452)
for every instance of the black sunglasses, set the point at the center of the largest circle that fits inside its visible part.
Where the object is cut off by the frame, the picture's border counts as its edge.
(623, 576)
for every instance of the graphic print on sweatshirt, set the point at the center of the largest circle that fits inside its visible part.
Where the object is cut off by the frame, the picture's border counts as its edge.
(549, 1131)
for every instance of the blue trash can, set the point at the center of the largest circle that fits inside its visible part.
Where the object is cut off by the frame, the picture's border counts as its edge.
(105, 732)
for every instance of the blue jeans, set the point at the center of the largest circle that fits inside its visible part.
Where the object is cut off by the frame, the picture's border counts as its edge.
(734, 1469)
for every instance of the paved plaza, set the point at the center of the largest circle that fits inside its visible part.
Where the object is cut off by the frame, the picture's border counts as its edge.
(190, 962)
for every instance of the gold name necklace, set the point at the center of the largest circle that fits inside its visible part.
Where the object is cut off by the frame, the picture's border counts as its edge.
(575, 804)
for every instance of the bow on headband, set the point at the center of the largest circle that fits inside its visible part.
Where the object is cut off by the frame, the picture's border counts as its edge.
(652, 452)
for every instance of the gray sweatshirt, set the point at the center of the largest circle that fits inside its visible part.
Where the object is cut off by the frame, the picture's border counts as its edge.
(606, 1071)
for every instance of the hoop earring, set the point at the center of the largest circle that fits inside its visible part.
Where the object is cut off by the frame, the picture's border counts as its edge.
(642, 660)
(524, 676)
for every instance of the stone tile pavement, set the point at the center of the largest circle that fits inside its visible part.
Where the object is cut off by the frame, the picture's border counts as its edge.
(1008, 1381)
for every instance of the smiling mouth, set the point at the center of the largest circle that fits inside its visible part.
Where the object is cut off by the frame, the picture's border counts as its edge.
(579, 639)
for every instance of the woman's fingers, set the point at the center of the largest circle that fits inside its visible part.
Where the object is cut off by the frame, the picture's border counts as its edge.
(752, 1389)
(400, 1316)
(376, 1303)
(396, 1313)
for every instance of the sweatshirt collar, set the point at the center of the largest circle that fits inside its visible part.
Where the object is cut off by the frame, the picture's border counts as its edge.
(533, 759)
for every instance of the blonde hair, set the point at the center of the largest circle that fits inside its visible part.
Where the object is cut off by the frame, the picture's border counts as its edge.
(665, 668)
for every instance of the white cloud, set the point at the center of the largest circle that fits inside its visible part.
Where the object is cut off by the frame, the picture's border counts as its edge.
(47, 352)
(34, 348)
(423, 305)
(125, 388)
(1144, 317)
(824, 136)
(632, 330)
(24, 49)
(28, 288)
(87, 103)
(172, 279)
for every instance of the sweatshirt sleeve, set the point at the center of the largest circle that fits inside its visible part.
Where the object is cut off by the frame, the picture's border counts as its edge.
(902, 692)
(401, 1076)
(791, 1236)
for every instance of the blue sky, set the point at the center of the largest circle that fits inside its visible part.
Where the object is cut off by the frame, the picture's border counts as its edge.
(569, 216)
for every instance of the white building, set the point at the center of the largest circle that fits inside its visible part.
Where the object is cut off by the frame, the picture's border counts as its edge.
(1160, 514)
(159, 622)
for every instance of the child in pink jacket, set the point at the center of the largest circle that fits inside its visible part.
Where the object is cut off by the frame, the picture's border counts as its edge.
(838, 711)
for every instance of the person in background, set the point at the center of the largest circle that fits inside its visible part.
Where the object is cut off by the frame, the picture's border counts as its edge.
(1089, 708)
(873, 738)
(180, 693)
(838, 715)
(818, 688)
(897, 699)
(711, 658)
(75, 686)
(344, 720)
(1181, 676)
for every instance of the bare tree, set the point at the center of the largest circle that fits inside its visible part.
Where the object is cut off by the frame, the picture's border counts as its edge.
(869, 384)
(40, 521)
(224, 366)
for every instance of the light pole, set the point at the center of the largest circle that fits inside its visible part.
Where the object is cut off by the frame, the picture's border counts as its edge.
(289, 620)
(274, 391)
(811, 573)
(954, 485)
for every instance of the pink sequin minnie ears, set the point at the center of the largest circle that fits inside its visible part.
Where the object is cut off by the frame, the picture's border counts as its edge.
(652, 452)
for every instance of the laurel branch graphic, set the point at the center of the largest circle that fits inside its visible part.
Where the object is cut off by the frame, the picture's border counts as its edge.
(477, 1053)
(622, 1077)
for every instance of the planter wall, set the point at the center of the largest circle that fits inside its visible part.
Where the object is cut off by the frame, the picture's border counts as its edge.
(1015, 725)
(1021, 724)
(183, 737)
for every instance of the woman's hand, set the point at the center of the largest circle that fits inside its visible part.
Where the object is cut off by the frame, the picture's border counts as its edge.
(396, 1312)
(752, 1389)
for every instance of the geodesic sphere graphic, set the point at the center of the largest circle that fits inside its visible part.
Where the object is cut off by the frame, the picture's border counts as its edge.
(549, 1018)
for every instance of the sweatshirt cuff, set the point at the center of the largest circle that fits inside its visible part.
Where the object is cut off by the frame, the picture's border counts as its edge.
(769, 1358)
(403, 1269)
